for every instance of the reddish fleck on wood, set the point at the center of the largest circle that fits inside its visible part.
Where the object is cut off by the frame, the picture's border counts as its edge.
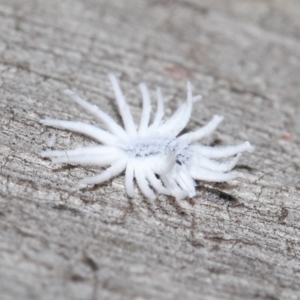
(179, 73)
(287, 137)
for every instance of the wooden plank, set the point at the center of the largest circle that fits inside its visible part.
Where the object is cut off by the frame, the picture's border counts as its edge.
(232, 241)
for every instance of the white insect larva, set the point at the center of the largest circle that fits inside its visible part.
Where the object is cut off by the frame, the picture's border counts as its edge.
(153, 153)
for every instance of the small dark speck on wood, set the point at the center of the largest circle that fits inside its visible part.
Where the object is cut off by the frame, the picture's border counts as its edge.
(217, 196)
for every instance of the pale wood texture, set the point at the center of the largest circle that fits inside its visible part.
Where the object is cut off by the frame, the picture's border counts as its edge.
(61, 242)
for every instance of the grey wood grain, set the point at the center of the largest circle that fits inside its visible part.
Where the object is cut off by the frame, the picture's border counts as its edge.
(232, 241)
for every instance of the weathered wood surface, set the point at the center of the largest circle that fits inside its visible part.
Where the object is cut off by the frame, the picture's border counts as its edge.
(61, 242)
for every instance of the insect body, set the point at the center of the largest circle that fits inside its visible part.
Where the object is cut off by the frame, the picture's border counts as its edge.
(152, 153)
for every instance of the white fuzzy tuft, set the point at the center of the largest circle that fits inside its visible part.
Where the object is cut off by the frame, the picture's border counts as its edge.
(153, 153)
